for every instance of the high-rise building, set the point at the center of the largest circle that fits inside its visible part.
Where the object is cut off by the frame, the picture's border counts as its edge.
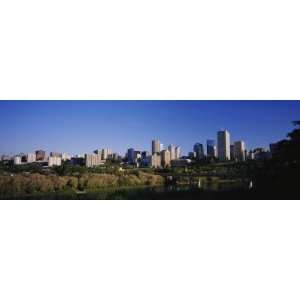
(199, 150)
(92, 160)
(239, 150)
(31, 157)
(211, 148)
(54, 161)
(105, 153)
(165, 158)
(172, 149)
(40, 155)
(223, 145)
(177, 152)
(130, 155)
(155, 146)
(154, 161)
(145, 154)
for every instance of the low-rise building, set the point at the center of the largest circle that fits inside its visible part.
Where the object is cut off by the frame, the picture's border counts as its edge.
(54, 161)
(30, 158)
(180, 162)
(93, 160)
(17, 160)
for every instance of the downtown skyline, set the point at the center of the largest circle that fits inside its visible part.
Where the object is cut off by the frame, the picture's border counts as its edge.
(78, 127)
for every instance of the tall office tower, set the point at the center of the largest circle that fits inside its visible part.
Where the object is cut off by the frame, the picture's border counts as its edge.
(177, 152)
(155, 146)
(239, 150)
(198, 149)
(211, 148)
(105, 153)
(130, 155)
(172, 149)
(40, 154)
(154, 161)
(165, 158)
(223, 145)
(31, 157)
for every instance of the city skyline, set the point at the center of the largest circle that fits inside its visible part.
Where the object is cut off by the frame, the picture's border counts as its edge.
(78, 127)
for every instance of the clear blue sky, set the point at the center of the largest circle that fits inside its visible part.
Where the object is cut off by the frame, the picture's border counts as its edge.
(79, 127)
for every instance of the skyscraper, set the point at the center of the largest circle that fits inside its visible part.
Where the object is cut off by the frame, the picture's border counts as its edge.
(211, 149)
(165, 158)
(177, 152)
(223, 145)
(155, 146)
(239, 150)
(130, 155)
(198, 149)
(105, 153)
(172, 149)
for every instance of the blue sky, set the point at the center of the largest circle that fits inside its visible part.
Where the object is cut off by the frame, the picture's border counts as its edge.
(79, 127)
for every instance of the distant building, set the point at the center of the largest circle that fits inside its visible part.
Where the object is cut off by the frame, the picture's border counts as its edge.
(145, 154)
(177, 152)
(180, 162)
(5, 157)
(105, 153)
(154, 161)
(156, 146)
(223, 145)
(211, 148)
(77, 161)
(192, 155)
(165, 158)
(40, 155)
(131, 155)
(65, 156)
(232, 152)
(261, 154)
(172, 149)
(198, 150)
(31, 157)
(239, 150)
(54, 161)
(17, 160)
(250, 155)
(56, 154)
(93, 160)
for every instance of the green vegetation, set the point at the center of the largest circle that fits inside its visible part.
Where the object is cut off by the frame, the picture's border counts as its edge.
(23, 185)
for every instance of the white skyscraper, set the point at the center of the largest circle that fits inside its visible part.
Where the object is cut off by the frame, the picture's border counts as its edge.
(172, 149)
(223, 145)
(177, 152)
